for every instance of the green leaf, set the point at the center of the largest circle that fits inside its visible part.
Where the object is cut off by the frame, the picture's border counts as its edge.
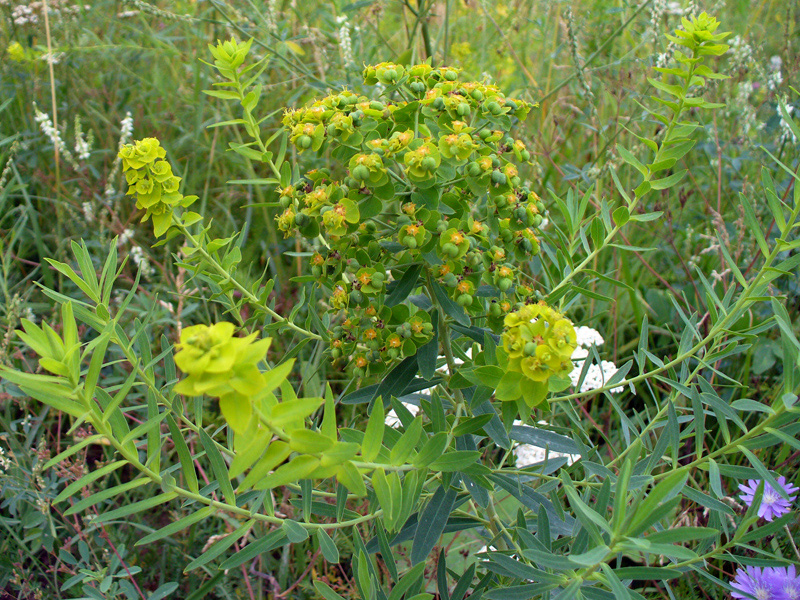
(428, 354)
(667, 182)
(455, 461)
(184, 455)
(84, 481)
(328, 547)
(432, 450)
(177, 526)
(400, 289)
(682, 534)
(629, 158)
(397, 380)
(220, 546)
(136, 507)
(325, 590)
(295, 532)
(218, 466)
(407, 442)
(373, 434)
(274, 539)
(450, 308)
(163, 591)
(431, 523)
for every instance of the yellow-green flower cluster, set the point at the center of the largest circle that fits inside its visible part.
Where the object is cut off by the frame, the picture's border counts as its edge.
(151, 180)
(216, 363)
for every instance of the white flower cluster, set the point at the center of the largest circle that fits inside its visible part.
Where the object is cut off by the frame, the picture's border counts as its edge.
(126, 237)
(52, 57)
(83, 142)
(596, 375)
(47, 127)
(5, 463)
(88, 211)
(775, 77)
(345, 43)
(741, 53)
(272, 16)
(22, 14)
(786, 129)
(140, 260)
(29, 314)
(127, 14)
(28, 14)
(125, 135)
(742, 109)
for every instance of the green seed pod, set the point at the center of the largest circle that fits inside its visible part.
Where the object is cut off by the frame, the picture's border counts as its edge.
(494, 309)
(499, 177)
(526, 156)
(464, 300)
(477, 95)
(316, 271)
(331, 129)
(304, 142)
(462, 109)
(495, 161)
(356, 297)
(484, 133)
(507, 235)
(438, 104)
(505, 285)
(410, 242)
(537, 220)
(335, 353)
(450, 249)
(360, 173)
(529, 349)
(494, 108)
(301, 219)
(474, 169)
(285, 201)
(450, 75)
(358, 372)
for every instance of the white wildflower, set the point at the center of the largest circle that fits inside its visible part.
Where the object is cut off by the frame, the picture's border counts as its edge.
(29, 314)
(127, 14)
(345, 43)
(140, 260)
(775, 77)
(23, 14)
(83, 142)
(588, 336)
(786, 129)
(88, 211)
(52, 57)
(125, 237)
(596, 375)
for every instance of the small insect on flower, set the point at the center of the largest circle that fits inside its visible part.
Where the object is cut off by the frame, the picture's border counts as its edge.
(772, 503)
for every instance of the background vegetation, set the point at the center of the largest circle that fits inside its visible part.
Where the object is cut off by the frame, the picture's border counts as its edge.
(89, 67)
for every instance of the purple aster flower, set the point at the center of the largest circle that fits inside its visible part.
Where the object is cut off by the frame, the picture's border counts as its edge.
(755, 583)
(772, 503)
(786, 581)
